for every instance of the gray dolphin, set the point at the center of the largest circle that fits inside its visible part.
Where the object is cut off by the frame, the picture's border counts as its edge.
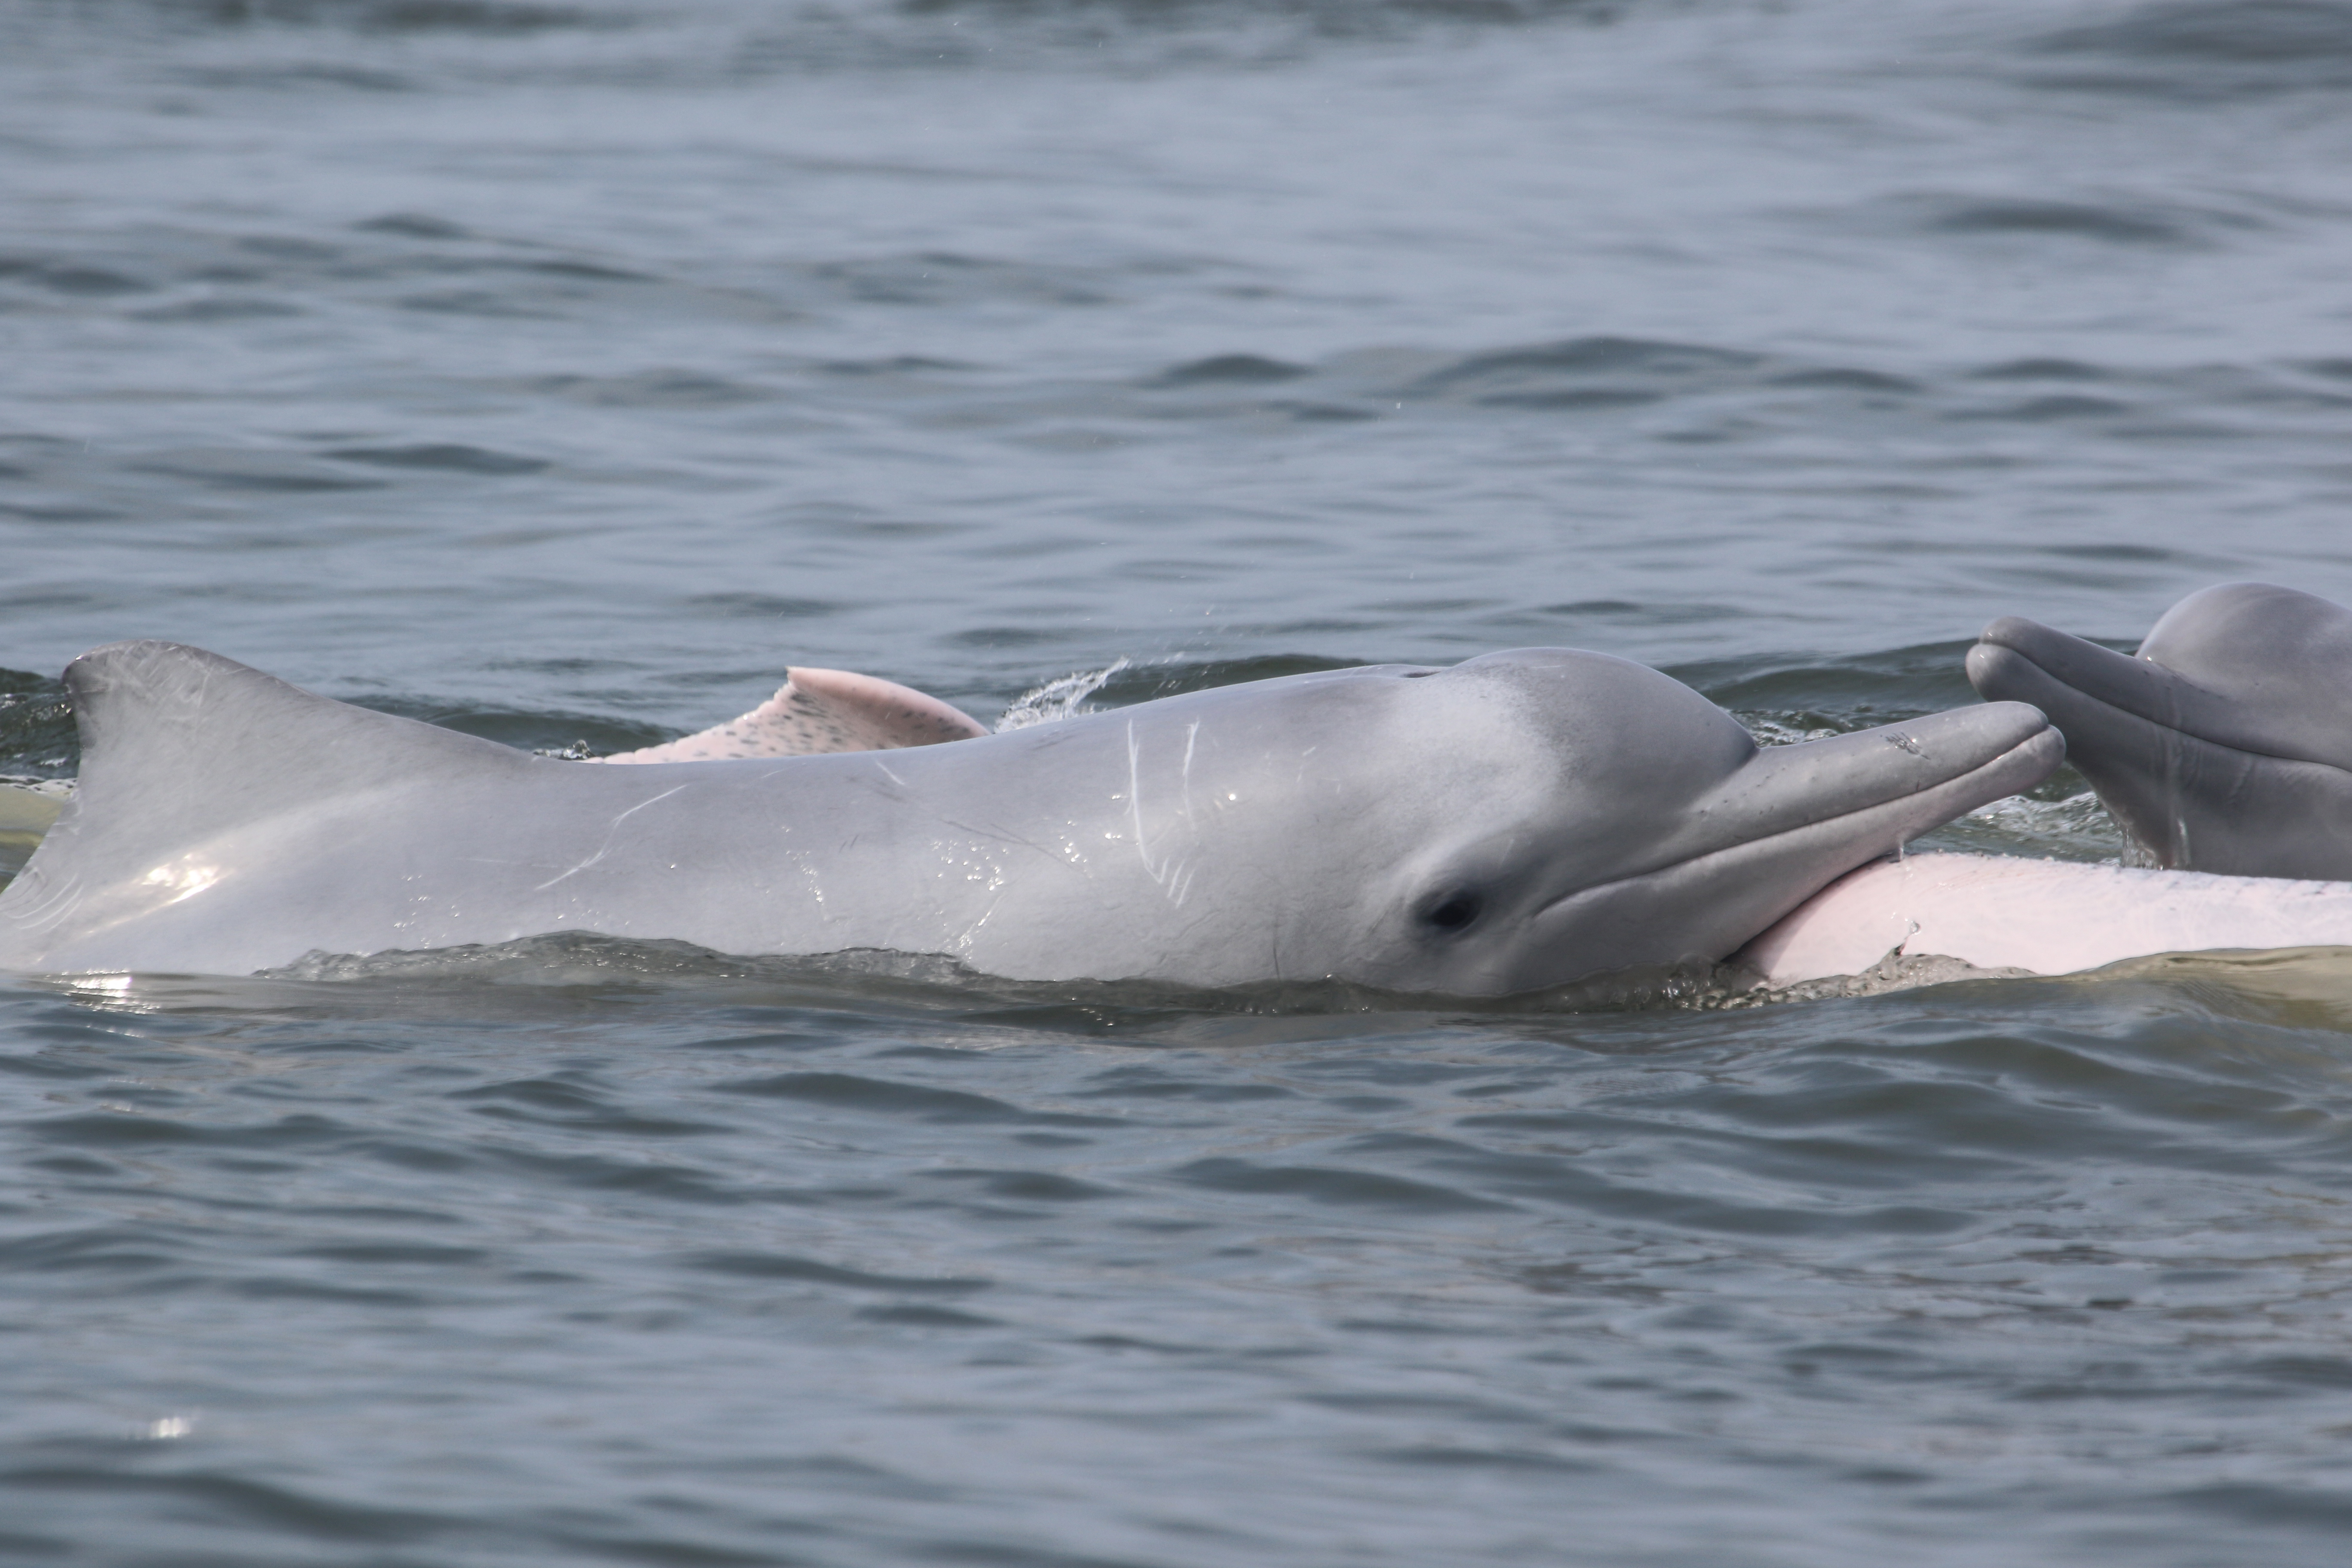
(2225, 745)
(1514, 822)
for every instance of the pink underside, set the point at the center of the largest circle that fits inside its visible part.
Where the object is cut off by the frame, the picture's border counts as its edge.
(2049, 917)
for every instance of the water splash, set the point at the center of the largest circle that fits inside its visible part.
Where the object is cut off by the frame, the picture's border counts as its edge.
(1058, 700)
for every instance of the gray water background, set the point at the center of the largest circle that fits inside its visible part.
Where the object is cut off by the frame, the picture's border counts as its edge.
(562, 372)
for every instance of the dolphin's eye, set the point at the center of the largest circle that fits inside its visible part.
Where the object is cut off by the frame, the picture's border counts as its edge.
(1452, 911)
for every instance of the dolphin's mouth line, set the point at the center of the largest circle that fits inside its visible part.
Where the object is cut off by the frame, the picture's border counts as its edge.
(1818, 825)
(2174, 725)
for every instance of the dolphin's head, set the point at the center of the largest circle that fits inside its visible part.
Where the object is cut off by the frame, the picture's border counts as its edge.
(1548, 814)
(2224, 745)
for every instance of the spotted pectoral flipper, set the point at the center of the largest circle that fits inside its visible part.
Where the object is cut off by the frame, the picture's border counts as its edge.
(822, 711)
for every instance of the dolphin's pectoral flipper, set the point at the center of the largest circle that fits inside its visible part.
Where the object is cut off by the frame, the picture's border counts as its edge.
(818, 710)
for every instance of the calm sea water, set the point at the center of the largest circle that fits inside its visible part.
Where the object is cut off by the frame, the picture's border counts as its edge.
(563, 371)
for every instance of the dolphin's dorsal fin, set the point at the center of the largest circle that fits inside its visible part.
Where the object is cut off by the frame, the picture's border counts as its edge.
(178, 745)
(822, 711)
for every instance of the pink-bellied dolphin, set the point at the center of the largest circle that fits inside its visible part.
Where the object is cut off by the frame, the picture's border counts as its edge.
(1514, 822)
(1986, 911)
(2045, 917)
(2224, 745)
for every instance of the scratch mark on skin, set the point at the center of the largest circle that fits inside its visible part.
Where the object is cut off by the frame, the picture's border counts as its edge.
(610, 834)
(886, 774)
(1170, 875)
(56, 903)
(1135, 800)
(999, 836)
(971, 933)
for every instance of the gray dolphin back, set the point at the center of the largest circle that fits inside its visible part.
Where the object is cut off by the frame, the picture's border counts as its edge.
(2223, 745)
(1516, 821)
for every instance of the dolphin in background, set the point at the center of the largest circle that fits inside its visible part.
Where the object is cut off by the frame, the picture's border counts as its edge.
(1512, 823)
(2223, 748)
(2224, 745)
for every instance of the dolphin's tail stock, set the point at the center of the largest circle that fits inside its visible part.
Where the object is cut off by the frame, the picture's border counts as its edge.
(180, 748)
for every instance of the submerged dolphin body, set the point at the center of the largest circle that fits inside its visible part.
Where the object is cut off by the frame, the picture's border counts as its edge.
(2224, 746)
(1514, 822)
(2042, 917)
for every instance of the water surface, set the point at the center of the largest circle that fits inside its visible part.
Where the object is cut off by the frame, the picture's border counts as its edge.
(563, 372)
